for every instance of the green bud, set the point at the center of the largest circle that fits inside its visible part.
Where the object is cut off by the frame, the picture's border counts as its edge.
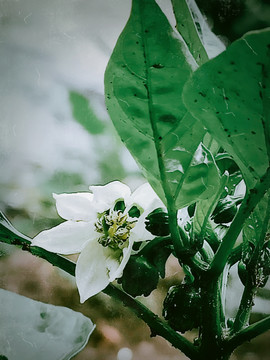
(181, 307)
(140, 277)
(191, 209)
(226, 209)
(157, 223)
(242, 272)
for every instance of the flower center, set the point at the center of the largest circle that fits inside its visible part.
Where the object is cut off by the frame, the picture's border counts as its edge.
(115, 228)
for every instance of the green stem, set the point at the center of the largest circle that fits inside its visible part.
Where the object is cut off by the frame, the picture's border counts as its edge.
(157, 325)
(251, 200)
(211, 318)
(243, 313)
(187, 29)
(247, 334)
(235, 255)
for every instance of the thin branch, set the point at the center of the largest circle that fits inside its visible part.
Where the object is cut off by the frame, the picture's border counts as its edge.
(157, 325)
(248, 205)
(248, 334)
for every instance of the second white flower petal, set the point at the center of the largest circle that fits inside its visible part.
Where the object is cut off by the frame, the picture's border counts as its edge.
(77, 206)
(91, 273)
(108, 194)
(66, 238)
(145, 198)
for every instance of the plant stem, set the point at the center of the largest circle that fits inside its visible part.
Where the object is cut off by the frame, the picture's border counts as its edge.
(247, 334)
(243, 313)
(251, 200)
(211, 317)
(235, 255)
(242, 316)
(157, 325)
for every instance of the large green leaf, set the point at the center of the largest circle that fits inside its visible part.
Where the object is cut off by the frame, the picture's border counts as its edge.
(33, 330)
(230, 95)
(143, 82)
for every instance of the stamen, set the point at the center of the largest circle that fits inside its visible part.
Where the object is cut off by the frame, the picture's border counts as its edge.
(115, 227)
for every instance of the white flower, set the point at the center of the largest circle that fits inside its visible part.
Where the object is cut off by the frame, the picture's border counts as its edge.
(101, 226)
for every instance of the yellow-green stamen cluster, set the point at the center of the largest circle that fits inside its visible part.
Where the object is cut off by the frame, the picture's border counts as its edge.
(115, 228)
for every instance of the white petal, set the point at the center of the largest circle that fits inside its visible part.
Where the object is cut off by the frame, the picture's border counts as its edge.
(66, 238)
(91, 273)
(77, 206)
(145, 198)
(183, 217)
(108, 194)
(115, 266)
(139, 232)
(97, 266)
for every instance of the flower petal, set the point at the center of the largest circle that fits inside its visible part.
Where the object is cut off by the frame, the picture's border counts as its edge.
(115, 266)
(77, 206)
(91, 273)
(66, 238)
(108, 194)
(139, 232)
(97, 266)
(145, 198)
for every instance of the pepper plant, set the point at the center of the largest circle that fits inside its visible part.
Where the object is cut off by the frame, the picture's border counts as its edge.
(196, 118)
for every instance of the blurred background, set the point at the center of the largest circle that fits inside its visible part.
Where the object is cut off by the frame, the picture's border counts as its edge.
(55, 136)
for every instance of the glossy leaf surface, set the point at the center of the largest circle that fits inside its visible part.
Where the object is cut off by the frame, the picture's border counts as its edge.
(143, 82)
(33, 330)
(230, 95)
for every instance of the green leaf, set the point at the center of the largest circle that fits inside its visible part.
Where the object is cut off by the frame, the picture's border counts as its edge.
(34, 330)
(191, 24)
(83, 113)
(143, 83)
(186, 27)
(204, 208)
(230, 95)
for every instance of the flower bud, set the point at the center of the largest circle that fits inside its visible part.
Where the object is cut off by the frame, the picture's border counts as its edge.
(157, 223)
(226, 209)
(139, 276)
(181, 307)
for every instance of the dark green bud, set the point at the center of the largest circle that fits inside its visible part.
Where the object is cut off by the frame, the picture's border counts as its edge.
(191, 209)
(157, 223)
(226, 209)
(242, 272)
(140, 277)
(181, 307)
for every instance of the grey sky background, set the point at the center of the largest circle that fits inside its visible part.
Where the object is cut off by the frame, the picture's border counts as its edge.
(46, 49)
